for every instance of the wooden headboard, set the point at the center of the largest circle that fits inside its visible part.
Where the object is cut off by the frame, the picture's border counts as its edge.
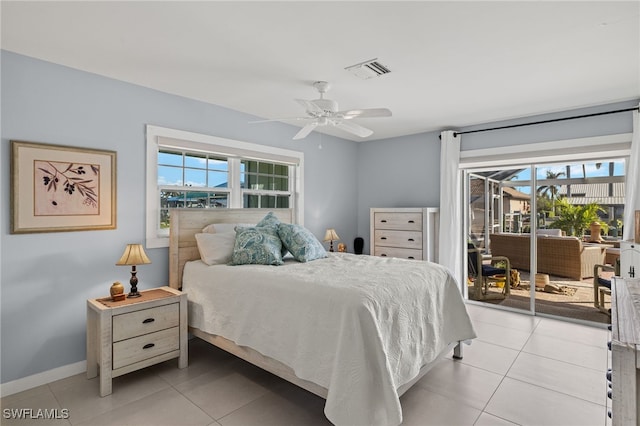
(186, 223)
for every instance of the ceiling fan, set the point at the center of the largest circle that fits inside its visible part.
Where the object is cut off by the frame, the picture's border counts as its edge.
(324, 112)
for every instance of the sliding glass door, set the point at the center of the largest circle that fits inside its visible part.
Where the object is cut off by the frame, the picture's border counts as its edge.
(574, 209)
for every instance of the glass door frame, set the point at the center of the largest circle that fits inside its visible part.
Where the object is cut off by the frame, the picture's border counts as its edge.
(467, 174)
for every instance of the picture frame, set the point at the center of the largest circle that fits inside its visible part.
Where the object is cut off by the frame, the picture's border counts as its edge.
(58, 188)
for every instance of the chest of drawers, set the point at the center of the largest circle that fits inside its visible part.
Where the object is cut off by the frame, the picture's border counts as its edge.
(629, 259)
(409, 233)
(625, 352)
(135, 333)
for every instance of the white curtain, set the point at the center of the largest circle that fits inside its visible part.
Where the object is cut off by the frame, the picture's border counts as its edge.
(632, 188)
(450, 240)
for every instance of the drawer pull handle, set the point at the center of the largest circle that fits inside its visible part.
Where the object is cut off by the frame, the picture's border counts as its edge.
(411, 257)
(383, 238)
(410, 239)
(384, 221)
(148, 320)
(148, 346)
(383, 255)
(412, 221)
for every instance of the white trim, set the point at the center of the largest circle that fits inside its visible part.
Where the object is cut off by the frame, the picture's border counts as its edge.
(161, 136)
(618, 145)
(30, 382)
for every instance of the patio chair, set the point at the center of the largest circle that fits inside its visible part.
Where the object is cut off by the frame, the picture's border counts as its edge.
(601, 287)
(485, 274)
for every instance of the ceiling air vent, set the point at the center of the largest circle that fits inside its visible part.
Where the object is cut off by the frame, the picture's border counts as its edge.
(368, 69)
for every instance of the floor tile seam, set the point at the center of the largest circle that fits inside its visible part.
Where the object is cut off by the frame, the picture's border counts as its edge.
(595, 345)
(498, 416)
(567, 362)
(484, 408)
(196, 404)
(486, 369)
(556, 391)
(522, 330)
(564, 392)
(501, 346)
(267, 391)
(264, 395)
(58, 402)
(446, 395)
(88, 421)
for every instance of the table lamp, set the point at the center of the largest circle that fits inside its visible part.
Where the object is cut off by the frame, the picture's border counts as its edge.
(133, 255)
(331, 236)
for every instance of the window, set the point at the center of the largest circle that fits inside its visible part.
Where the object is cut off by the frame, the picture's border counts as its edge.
(189, 170)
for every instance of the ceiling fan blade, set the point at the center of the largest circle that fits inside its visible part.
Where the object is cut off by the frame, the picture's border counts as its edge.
(281, 119)
(370, 112)
(354, 128)
(305, 131)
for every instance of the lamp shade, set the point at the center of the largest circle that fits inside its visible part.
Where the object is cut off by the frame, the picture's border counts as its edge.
(133, 255)
(330, 235)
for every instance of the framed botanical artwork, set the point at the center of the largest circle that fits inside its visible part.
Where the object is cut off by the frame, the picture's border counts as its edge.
(57, 188)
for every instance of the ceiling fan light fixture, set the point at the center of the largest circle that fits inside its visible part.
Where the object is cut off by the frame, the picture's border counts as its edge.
(368, 69)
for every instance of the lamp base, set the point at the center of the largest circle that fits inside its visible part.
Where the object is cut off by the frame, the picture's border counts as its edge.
(134, 284)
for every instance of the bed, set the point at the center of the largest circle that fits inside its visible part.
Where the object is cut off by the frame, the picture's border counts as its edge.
(351, 343)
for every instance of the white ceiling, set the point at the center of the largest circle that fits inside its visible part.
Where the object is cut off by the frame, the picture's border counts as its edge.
(453, 63)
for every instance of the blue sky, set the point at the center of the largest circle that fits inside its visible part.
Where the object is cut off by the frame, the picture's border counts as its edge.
(576, 171)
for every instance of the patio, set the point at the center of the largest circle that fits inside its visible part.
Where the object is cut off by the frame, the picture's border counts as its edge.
(563, 297)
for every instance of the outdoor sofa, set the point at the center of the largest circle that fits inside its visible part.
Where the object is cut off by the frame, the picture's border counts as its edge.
(560, 256)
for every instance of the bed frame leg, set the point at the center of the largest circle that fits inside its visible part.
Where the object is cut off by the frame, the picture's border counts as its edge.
(457, 351)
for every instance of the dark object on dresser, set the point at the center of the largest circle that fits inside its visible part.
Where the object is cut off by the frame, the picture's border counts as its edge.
(358, 244)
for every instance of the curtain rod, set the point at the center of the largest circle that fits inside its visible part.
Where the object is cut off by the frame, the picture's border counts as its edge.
(548, 121)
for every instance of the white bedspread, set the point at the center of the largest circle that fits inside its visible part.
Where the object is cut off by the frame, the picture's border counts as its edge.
(360, 326)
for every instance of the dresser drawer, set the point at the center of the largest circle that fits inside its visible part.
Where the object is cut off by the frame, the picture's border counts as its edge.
(400, 221)
(145, 321)
(144, 347)
(402, 239)
(403, 253)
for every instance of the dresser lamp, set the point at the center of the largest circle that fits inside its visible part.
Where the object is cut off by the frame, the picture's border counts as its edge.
(331, 236)
(133, 255)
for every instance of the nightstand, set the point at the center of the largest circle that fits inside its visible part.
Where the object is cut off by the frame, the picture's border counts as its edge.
(131, 334)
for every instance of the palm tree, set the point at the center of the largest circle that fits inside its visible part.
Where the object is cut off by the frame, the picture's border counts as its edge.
(551, 191)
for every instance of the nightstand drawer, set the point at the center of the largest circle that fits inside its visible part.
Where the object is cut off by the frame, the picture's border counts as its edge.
(402, 239)
(145, 321)
(398, 252)
(144, 347)
(402, 221)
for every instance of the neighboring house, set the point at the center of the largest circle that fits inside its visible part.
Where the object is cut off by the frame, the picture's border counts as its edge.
(608, 195)
(515, 201)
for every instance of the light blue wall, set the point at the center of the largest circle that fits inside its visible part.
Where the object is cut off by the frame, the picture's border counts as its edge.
(46, 279)
(397, 172)
(405, 171)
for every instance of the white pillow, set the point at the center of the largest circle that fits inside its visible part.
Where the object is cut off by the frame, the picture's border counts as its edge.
(219, 228)
(216, 249)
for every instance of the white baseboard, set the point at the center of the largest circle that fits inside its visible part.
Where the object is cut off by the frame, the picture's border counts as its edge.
(43, 378)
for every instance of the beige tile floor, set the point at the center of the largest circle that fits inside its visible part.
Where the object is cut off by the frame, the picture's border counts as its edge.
(520, 370)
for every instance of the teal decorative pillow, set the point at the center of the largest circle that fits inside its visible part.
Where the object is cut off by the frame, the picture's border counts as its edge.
(269, 220)
(302, 244)
(257, 246)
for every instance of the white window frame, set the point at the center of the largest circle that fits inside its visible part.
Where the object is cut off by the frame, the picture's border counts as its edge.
(235, 151)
